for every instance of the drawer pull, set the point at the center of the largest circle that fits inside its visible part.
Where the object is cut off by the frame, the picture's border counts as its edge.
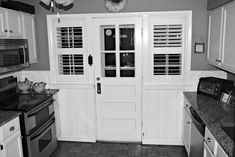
(208, 139)
(12, 128)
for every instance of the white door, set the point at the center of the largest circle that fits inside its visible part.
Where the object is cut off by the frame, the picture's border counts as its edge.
(118, 50)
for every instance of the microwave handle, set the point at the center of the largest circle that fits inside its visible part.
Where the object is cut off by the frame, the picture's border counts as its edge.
(22, 47)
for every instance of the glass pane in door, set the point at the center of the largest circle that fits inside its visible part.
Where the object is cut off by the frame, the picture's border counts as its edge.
(45, 140)
(108, 42)
(127, 35)
(108, 63)
(127, 64)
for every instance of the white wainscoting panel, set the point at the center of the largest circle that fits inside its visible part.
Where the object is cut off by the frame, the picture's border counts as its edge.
(76, 103)
(162, 116)
(163, 108)
(77, 114)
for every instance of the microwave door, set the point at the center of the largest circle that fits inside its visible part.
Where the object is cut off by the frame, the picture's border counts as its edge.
(22, 55)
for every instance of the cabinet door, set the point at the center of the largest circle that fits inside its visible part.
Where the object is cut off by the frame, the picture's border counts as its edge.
(215, 36)
(186, 131)
(3, 29)
(220, 152)
(207, 152)
(228, 47)
(14, 22)
(12, 147)
(29, 33)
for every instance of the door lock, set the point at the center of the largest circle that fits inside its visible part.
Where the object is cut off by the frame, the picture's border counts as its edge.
(98, 88)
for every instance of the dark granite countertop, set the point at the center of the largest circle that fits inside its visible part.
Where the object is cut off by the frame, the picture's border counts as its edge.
(214, 114)
(6, 116)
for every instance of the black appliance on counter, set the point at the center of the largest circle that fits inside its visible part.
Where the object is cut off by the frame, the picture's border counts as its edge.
(213, 86)
(37, 120)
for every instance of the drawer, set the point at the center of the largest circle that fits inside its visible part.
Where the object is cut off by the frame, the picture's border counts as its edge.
(9, 129)
(210, 140)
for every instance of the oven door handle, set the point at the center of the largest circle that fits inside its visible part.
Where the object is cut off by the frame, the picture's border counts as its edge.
(43, 129)
(41, 107)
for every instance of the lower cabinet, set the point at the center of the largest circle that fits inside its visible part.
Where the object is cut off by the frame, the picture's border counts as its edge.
(211, 146)
(10, 140)
(186, 130)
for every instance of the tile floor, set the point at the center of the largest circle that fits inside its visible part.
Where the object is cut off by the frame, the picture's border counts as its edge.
(76, 149)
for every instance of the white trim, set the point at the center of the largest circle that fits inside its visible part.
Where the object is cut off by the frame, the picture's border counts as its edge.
(76, 139)
(161, 142)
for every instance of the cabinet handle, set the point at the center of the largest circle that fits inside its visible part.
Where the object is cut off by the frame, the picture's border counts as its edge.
(5, 30)
(188, 122)
(217, 60)
(1, 147)
(12, 128)
(11, 31)
(208, 139)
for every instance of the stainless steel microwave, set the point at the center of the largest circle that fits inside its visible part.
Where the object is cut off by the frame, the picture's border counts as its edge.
(14, 55)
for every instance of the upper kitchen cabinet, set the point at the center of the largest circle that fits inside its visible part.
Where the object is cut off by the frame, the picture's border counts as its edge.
(228, 45)
(29, 33)
(212, 4)
(10, 24)
(215, 34)
(221, 36)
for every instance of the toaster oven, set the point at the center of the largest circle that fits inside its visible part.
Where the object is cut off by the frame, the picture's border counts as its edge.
(213, 86)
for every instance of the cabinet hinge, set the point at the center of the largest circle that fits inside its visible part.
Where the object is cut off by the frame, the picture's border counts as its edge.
(1, 147)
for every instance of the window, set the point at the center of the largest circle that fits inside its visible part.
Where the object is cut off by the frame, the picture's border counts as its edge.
(167, 64)
(69, 37)
(167, 49)
(69, 52)
(71, 64)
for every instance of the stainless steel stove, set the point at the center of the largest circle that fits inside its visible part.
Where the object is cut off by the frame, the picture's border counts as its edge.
(37, 119)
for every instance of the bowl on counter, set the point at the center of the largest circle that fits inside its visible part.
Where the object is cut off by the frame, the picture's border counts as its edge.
(39, 87)
(24, 86)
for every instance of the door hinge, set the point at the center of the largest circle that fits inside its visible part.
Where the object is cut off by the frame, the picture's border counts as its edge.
(142, 32)
(1, 147)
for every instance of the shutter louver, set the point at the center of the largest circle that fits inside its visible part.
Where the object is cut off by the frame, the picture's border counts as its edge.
(69, 37)
(167, 36)
(167, 64)
(71, 64)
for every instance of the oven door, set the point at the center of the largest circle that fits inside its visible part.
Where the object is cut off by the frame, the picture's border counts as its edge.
(43, 142)
(36, 117)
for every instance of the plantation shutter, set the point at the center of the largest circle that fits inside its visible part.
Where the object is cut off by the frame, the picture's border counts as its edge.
(70, 50)
(167, 49)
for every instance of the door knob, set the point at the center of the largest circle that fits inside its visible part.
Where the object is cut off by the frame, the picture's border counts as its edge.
(97, 78)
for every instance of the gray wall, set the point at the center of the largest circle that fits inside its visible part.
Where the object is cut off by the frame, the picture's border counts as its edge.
(97, 6)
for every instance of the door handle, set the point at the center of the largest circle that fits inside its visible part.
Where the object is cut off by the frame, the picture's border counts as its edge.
(98, 88)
